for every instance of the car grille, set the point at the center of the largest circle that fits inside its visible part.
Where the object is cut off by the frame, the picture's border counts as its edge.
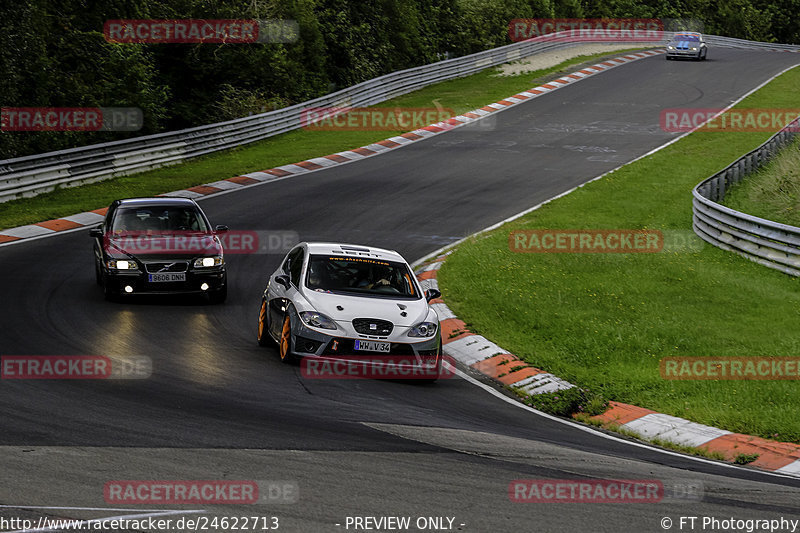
(177, 266)
(373, 326)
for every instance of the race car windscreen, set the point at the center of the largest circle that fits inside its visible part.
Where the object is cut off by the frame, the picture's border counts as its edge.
(158, 220)
(683, 37)
(358, 275)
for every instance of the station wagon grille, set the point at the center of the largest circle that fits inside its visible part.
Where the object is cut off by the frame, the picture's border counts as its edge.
(176, 266)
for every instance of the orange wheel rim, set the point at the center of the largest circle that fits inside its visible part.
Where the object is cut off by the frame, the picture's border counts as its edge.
(285, 334)
(261, 317)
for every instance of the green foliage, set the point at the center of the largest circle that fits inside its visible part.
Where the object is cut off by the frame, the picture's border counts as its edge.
(568, 402)
(54, 54)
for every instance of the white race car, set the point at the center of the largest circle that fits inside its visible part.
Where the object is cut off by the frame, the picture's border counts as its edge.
(340, 301)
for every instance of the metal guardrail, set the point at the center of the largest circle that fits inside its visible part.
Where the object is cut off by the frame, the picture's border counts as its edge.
(766, 242)
(35, 174)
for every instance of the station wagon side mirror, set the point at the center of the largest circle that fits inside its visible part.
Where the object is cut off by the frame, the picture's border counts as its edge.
(432, 294)
(96, 232)
(283, 279)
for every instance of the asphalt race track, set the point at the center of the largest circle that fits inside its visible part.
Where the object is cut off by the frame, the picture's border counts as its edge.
(220, 407)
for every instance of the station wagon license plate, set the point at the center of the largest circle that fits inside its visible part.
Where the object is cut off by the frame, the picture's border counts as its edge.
(162, 277)
(373, 346)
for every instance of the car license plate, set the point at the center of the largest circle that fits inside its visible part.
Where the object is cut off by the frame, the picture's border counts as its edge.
(162, 277)
(373, 346)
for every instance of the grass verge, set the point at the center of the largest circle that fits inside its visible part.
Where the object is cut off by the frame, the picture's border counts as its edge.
(774, 191)
(603, 321)
(460, 95)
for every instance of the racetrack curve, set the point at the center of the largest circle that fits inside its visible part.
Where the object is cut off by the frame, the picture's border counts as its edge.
(220, 407)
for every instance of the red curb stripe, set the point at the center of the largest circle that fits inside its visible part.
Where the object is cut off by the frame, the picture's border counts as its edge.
(622, 413)
(489, 109)
(496, 365)
(101, 211)
(451, 326)
(433, 128)
(59, 224)
(471, 115)
(428, 274)
(453, 122)
(388, 144)
(308, 165)
(608, 64)
(535, 91)
(771, 455)
(8, 238)
(586, 71)
(412, 136)
(521, 96)
(550, 86)
(363, 151)
(519, 375)
(242, 180)
(338, 158)
(574, 77)
(505, 102)
(278, 172)
(561, 81)
(204, 189)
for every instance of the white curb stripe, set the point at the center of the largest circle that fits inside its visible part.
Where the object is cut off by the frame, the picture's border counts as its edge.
(224, 185)
(674, 429)
(31, 230)
(471, 349)
(85, 219)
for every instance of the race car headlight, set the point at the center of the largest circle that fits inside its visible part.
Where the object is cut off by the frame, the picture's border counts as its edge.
(122, 264)
(694, 48)
(670, 47)
(423, 329)
(317, 320)
(207, 262)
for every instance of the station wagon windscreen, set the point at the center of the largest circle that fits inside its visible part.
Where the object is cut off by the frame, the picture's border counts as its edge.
(158, 219)
(360, 275)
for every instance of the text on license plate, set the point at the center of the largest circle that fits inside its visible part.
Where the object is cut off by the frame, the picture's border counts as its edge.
(166, 276)
(373, 346)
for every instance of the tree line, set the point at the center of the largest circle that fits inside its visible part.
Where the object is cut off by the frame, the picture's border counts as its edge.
(53, 53)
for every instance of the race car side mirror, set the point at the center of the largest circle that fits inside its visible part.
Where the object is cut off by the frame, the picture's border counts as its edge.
(283, 279)
(432, 294)
(95, 232)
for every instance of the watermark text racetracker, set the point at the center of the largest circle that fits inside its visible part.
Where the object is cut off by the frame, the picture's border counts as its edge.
(602, 491)
(216, 31)
(372, 118)
(564, 29)
(75, 367)
(675, 120)
(200, 492)
(71, 119)
(592, 241)
(730, 368)
(184, 242)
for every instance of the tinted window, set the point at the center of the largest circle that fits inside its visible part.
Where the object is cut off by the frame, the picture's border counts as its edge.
(296, 266)
(359, 275)
(158, 219)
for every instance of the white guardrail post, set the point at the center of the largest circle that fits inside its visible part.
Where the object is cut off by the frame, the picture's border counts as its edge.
(766, 242)
(35, 174)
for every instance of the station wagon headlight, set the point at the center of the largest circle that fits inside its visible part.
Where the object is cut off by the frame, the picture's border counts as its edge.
(207, 262)
(423, 329)
(122, 264)
(317, 320)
